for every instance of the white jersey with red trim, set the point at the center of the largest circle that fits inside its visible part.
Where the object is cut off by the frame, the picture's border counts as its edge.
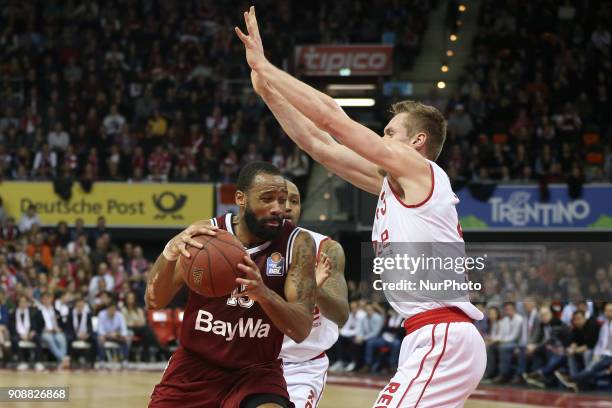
(324, 332)
(433, 220)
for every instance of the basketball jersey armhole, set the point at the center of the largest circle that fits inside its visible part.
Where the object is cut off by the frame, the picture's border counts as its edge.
(290, 242)
(422, 203)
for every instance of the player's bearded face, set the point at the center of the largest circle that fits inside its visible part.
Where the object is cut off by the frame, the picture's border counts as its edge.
(261, 227)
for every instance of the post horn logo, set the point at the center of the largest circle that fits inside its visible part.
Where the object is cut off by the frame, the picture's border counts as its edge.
(168, 204)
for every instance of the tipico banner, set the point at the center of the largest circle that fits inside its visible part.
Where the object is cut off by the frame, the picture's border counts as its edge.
(520, 207)
(149, 205)
(344, 60)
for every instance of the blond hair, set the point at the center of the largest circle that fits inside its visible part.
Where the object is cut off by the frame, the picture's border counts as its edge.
(426, 119)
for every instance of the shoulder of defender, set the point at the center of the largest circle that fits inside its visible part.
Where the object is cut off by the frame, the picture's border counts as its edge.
(330, 246)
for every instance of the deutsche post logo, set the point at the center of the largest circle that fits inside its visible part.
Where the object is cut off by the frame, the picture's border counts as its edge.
(168, 204)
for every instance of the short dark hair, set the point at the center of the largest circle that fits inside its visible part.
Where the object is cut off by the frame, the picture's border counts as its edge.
(578, 312)
(252, 169)
(510, 304)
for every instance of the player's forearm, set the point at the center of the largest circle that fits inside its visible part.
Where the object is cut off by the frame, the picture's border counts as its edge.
(315, 105)
(161, 285)
(332, 296)
(293, 319)
(299, 128)
(333, 306)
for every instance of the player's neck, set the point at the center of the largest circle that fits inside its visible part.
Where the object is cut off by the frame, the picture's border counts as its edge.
(243, 234)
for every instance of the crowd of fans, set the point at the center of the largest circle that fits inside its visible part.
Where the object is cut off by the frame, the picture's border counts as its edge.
(158, 90)
(535, 100)
(62, 287)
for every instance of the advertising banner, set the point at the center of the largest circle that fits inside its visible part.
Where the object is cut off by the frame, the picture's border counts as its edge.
(354, 60)
(520, 207)
(149, 205)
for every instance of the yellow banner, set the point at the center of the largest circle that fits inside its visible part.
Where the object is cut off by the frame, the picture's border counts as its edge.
(124, 205)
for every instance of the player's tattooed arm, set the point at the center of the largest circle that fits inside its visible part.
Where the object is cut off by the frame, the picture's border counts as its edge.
(332, 296)
(165, 278)
(294, 316)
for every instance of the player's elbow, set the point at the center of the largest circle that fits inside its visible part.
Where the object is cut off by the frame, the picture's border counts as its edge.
(303, 331)
(343, 315)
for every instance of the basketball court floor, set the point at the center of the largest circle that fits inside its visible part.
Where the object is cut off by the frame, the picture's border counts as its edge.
(119, 389)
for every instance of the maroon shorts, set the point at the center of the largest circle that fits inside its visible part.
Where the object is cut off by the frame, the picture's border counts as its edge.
(189, 382)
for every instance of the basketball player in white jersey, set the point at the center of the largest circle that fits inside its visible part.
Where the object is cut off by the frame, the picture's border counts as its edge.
(443, 357)
(305, 364)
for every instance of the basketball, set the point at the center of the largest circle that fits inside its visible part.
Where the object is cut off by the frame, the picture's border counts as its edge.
(212, 270)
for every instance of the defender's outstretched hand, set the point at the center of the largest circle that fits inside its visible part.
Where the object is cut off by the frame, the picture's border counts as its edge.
(252, 42)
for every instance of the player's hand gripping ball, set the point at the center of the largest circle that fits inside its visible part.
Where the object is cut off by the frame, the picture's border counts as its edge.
(212, 270)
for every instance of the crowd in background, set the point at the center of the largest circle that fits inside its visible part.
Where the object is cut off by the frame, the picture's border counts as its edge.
(534, 102)
(149, 90)
(55, 283)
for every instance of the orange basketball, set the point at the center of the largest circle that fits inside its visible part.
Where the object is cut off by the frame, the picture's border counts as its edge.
(212, 270)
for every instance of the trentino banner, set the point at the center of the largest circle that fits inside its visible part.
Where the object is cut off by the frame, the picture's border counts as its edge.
(520, 207)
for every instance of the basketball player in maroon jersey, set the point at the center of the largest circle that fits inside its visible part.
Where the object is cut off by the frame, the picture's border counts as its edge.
(229, 346)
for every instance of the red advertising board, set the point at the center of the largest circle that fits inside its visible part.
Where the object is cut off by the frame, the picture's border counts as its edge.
(329, 60)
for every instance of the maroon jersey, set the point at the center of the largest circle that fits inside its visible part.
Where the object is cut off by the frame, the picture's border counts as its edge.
(234, 331)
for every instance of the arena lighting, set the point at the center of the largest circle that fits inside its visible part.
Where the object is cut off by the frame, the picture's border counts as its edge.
(351, 87)
(450, 53)
(355, 102)
(344, 72)
(444, 68)
(453, 37)
(327, 196)
(462, 8)
(322, 217)
(441, 85)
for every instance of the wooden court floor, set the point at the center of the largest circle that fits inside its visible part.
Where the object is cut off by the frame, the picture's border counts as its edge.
(119, 389)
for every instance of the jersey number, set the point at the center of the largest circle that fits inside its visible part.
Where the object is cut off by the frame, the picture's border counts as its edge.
(381, 211)
(236, 299)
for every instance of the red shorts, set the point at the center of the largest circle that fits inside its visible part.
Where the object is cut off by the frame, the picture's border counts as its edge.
(189, 382)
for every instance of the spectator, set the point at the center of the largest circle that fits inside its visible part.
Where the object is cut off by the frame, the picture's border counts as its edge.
(45, 163)
(26, 324)
(80, 328)
(100, 230)
(492, 338)
(217, 120)
(29, 219)
(583, 339)
(547, 348)
(369, 328)
(113, 123)
(112, 328)
(3, 215)
(391, 336)
(4, 323)
(510, 331)
(602, 357)
(53, 331)
(460, 122)
(297, 168)
(344, 345)
(58, 139)
(137, 325)
(104, 274)
(279, 159)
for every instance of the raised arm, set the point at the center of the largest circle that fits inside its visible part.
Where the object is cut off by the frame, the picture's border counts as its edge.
(165, 278)
(292, 316)
(395, 157)
(332, 295)
(319, 145)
